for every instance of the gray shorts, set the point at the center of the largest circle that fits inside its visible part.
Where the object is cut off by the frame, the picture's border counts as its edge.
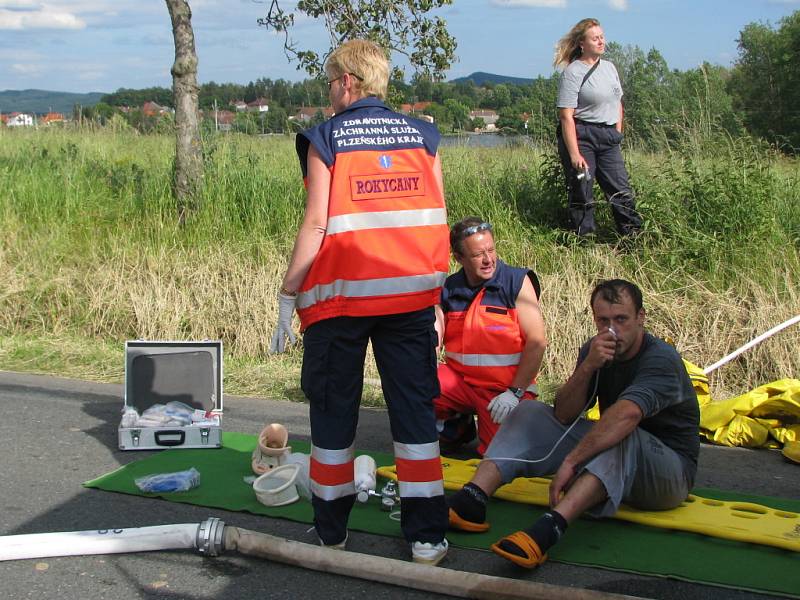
(640, 471)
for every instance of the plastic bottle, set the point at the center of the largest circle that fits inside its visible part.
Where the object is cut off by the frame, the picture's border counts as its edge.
(364, 476)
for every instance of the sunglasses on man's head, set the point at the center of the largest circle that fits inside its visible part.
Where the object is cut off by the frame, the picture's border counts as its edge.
(473, 229)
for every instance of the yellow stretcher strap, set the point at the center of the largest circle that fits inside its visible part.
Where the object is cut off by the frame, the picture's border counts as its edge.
(738, 521)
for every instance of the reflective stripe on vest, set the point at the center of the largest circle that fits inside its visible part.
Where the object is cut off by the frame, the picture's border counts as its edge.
(331, 472)
(390, 286)
(385, 249)
(485, 360)
(386, 220)
(484, 343)
(419, 470)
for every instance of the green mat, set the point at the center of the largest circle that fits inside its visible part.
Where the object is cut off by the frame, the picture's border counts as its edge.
(606, 543)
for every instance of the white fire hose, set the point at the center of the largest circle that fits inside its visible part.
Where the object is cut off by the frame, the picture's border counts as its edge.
(750, 344)
(212, 537)
(205, 537)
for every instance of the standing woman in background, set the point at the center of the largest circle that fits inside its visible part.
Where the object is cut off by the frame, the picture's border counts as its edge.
(590, 129)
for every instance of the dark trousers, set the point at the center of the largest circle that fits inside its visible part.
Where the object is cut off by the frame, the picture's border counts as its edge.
(332, 379)
(600, 146)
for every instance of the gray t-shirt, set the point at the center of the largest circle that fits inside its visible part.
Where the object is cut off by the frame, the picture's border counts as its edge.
(656, 380)
(599, 98)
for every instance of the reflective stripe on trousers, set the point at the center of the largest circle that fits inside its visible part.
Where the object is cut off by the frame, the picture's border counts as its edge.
(419, 470)
(331, 472)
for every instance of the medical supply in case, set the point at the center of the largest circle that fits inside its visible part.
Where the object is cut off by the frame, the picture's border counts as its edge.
(173, 395)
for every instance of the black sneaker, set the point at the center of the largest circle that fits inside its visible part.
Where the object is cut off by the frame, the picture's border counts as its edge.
(456, 432)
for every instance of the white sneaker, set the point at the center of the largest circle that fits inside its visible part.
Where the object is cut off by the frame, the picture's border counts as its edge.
(428, 554)
(339, 546)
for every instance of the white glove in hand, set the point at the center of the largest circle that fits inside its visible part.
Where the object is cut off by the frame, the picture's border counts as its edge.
(501, 405)
(284, 328)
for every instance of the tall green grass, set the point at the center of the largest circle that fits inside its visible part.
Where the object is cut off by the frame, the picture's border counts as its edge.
(91, 252)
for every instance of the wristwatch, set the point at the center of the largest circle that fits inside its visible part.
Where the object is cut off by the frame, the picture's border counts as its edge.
(518, 392)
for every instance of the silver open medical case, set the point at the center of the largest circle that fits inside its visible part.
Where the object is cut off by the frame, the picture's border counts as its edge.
(159, 372)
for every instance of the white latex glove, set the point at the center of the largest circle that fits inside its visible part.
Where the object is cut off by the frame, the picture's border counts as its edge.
(284, 328)
(501, 405)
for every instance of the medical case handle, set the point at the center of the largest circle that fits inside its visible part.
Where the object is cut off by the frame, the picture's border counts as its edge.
(164, 438)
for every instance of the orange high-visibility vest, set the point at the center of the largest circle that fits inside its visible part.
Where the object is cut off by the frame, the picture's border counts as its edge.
(385, 249)
(482, 338)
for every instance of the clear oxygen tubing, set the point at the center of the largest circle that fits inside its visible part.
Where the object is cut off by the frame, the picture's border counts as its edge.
(566, 433)
(751, 343)
(201, 536)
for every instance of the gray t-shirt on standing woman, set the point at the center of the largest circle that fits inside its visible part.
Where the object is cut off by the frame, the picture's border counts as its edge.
(599, 98)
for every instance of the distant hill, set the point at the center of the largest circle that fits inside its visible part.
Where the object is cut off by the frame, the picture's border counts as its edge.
(42, 101)
(481, 78)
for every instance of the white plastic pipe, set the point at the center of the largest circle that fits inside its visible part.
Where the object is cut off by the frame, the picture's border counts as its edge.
(751, 343)
(103, 541)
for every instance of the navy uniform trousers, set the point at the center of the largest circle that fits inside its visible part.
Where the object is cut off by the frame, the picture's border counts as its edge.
(599, 144)
(332, 379)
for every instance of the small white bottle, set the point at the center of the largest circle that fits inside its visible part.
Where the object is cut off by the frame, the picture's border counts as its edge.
(364, 476)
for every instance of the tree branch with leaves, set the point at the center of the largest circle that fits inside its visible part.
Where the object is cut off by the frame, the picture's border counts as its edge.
(400, 26)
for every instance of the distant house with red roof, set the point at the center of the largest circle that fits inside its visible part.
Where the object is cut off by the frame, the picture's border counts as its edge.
(258, 105)
(17, 119)
(238, 105)
(223, 119)
(152, 109)
(416, 107)
(52, 117)
(489, 116)
(306, 113)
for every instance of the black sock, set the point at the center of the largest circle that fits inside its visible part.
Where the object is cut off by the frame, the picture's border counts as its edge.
(470, 503)
(546, 531)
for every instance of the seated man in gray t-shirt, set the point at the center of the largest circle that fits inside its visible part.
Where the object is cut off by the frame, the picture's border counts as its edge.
(643, 451)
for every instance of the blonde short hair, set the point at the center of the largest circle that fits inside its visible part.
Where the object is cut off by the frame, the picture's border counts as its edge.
(569, 46)
(364, 59)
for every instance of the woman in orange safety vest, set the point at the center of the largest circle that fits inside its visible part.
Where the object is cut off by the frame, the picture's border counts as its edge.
(367, 266)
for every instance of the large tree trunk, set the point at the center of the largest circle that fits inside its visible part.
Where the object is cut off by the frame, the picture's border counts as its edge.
(188, 150)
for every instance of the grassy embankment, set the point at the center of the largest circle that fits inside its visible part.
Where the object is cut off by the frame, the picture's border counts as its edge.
(90, 255)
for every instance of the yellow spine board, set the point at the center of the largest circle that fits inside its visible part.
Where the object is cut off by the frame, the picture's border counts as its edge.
(738, 521)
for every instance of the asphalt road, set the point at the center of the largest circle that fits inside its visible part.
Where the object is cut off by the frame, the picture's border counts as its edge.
(57, 433)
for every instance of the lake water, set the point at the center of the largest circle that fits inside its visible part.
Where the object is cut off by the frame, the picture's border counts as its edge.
(485, 140)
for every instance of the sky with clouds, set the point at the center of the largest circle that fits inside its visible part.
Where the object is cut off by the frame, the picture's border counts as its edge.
(103, 45)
